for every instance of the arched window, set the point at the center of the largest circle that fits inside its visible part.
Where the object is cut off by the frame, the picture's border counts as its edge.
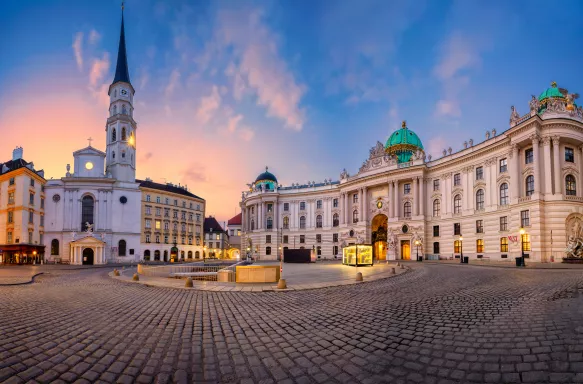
(436, 208)
(87, 204)
(114, 110)
(197, 254)
(147, 255)
(121, 248)
(165, 255)
(123, 133)
(182, 254)
(269, 223)
(303, 222)
(319, 250)
(335, 220)
(156, 255)
(529, 185)
(190, 254)
(286, 222)
(570, 186)
(319, 221)
(55, 247)
(504, 194)
(124, 110)
(480, 199)
(113, 135)
(355, 216)
(407, 210)
(113, 155)
(457, 204)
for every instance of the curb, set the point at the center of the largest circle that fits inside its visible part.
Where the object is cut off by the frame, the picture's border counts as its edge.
(506, 266)
(24, 282)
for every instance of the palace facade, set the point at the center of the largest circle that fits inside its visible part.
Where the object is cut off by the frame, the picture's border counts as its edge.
(516, 192)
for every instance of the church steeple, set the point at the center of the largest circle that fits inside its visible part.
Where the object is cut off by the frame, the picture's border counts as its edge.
(121, 70)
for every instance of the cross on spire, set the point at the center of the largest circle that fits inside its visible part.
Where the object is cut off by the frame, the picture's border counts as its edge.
(90, 140)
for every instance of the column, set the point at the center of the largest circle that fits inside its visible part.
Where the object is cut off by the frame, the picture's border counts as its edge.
(489, 186)
(396, 199)
(364, 204)
(557, 165)
(470, 185)
(345, 215)
(421, 197)
(97, 212)
(548, 190)
(391, 210)
(535, 148)
(276, 214)
(494, 185)
(260, 218)
(446, 200)
(515, 179)
(579, 189)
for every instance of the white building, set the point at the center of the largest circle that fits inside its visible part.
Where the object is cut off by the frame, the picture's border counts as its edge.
(474, 201)
(93, 213)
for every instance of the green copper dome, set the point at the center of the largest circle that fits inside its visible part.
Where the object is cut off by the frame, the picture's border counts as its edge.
(268, 179)
(402, 143)
(553, 91)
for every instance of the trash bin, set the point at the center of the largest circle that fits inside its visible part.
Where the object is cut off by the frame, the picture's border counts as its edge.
(519, 262)
(466, 259)
(419, 258)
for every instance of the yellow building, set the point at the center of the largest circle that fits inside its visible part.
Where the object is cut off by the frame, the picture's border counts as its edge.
(22, 203)
(172, 222)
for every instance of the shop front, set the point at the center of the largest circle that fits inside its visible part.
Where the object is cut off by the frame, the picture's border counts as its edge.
(22, 254)
(358, 255)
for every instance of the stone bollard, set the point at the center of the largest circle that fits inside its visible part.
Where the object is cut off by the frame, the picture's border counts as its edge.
(359, 276)
(115, 272)
(188, 283)
(136, 277)
(393, 271)
(281, 284)
(402, 266)
(398, 264)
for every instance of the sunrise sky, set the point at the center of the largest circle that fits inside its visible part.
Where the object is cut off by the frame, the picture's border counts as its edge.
(224, 88)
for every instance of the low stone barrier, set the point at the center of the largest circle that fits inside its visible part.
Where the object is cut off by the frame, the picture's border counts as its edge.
(257, 274)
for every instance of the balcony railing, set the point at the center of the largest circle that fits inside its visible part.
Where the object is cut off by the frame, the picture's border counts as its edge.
(524, 198)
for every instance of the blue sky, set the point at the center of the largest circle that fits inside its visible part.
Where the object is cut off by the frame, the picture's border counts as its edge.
(224, 88)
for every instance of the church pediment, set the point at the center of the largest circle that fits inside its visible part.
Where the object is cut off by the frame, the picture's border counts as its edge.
(89, 151)
(89, 241)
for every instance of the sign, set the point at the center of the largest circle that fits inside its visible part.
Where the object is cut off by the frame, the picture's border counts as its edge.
(513, 239)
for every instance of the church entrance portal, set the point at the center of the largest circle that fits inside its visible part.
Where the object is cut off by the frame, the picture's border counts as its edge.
(405, 250)
(379, 237)
(88, 255)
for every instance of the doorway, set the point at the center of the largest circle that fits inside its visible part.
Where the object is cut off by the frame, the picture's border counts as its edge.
(405, 250)
(88, 255)
(379, 226)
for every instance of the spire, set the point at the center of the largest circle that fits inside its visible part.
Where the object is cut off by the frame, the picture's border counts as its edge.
(121, 69)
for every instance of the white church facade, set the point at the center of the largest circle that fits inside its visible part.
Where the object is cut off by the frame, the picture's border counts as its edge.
(517, 192)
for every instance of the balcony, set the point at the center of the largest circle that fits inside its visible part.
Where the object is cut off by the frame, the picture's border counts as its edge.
(573, 198)
(524, 198)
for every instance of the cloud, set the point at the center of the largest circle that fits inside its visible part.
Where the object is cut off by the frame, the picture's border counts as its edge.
(208, 106)
(78, 49)
(99, 67)
(173, 82)
(233, 122)
(94, 37)
(448, 108)
(147, 156)
(195, 173)
(260, 67)
(143, 77)
(246, 134)
(435, 146)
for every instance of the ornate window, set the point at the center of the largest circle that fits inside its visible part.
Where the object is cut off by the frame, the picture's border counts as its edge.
(335, 220)
(457, 204)
(480, 199)
(570, 186)
(529, 185)
(406, 189)
(504, 194)
(286, 207)
(503, 244)
(123, 133)
(269, 223)
(355, 198)
(479, 173)
(436, 185)
(569, 155)
(319, 204)
(528, 156)
(319, 221)
(302, 206)
(457, 179)
(503, 165)
(407, 210)
(121, 248)
(113, 135)
(480, 245)
(436, 208)
(87, 205)
(355, 216)
(302, 222)
(54, 247)
(286, 222)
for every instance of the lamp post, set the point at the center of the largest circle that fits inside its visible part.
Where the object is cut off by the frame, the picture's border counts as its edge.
(461, 249)
(248, 252)
(522, 232)
(204, 254)
(417, 242)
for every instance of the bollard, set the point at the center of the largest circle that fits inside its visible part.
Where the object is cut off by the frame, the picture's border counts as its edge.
(402, 266)
(188, 283)
(359, 276)
(115, 272)
(281, 284)
(393, 271)
(136, 277)
(398, 264)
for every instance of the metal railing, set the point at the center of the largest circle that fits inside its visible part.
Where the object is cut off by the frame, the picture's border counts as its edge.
(197, 270)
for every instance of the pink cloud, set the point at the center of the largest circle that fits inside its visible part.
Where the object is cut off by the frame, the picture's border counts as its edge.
(99, 68)
(246, 134)
(94, 37)
(173, 82)
(448, 108)
(78, 49)
(208, 106)
(233, 122)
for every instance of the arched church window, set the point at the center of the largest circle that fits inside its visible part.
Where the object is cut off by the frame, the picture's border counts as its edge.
(480, 199)
(335, 221)
(529, 185)
(124, 110)
(504, 194)
(457, 204)
(113, 135)
(123, 133)
(55, 247)
(355, 216)
(121, 248)
(570, 186)
(87, 205)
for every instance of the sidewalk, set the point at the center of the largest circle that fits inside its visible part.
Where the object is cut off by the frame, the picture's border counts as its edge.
(25, 274)
(503, 264)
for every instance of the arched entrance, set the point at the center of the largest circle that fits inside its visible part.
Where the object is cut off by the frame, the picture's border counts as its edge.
(379, 236)
(156, 255)
(88, 256)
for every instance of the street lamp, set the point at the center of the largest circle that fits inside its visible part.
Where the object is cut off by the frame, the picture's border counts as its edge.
(522, 232)
(417, 243)
(204, 254)
(461, 249)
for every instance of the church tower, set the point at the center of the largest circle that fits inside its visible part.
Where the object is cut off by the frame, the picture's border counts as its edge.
(121, 127)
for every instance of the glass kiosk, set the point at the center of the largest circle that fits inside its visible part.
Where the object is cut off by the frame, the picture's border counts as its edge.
(362, 254)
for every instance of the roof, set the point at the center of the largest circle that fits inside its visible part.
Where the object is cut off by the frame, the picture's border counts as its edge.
(236, 220)
(13, 165)
(553, 91)
(167, 188)
(210, 223)
(404, 136)
(266, 176)
(121, 69)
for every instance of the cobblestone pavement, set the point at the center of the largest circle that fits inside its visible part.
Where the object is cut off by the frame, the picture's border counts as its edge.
(435, 324)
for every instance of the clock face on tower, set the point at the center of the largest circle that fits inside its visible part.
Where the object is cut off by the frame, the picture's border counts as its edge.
(123, 92)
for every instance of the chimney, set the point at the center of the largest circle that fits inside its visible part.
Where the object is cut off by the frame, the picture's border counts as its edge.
(17, 153)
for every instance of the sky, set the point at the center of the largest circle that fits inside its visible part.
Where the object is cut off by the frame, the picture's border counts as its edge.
(226, 88)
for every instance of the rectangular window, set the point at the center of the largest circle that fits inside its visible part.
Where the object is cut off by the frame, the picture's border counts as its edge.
(436, 231)
(268, 250)
(40, 238)
(479, 173)
(480, 246)
(11, 182)
(569, 155)
(166, 212)
(31, 217)
(9, 237)
(32, 182)
(158, 224)
(157, 239)
(166, 225)
(148, 210)
(218, 237)
(436, 185)
(319, 204)
(528, 156)
(42, 220)
(167, 201)
(31, 199)
(148, 223)
(190, 216)
(175, 214)
(457, 246)
(335, 237)
(436, 248)
(176, 203)
(174, 239)
(526, 242)
(238, 232)
(183, 215)
(285, 239)
(10, 217)
(286, 207)
(504, 223)
(268, 239)
(335, 250)
(525, 218)
(158, 211)
(407, 188)
(318, 238)
(189, 240)
(503, 165)
(335, 203)
(148, 198)
(479, 226)
(503, 244)
(158, 199)
(457, 179)
(10, 197)
(147, 238)
(302, 206)
(42, 203)
(457, 229)
(269, 207)
(355, 198)
(302, 239)
(29, 237)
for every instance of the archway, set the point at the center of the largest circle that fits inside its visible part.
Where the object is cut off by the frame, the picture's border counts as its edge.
(156, 255)
(379, 236)
(88, 256)
(147, 255)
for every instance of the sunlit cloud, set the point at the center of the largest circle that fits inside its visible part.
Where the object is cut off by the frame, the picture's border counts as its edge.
(208, 106)
(94, 37)
(99, 68)
(173, 82)
(78, 49)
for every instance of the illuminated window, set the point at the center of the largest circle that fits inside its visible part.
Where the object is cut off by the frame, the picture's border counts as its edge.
(503, 244)
(570, 186)
(480, 246)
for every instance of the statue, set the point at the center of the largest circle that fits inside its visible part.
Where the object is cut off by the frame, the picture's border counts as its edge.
(444, 152)
(487, 135)
(88, 227)
(449, 150)
(493, 132)
(514, 116)
(571, 97)
(534, 104)
(392, 240)
(344, 174)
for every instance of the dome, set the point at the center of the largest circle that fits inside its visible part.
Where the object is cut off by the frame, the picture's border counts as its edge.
(402, 143)
(266, 176)
(553, 91)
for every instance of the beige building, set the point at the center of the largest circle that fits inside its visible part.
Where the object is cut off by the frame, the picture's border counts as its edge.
(22, 204)
(172, 222)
